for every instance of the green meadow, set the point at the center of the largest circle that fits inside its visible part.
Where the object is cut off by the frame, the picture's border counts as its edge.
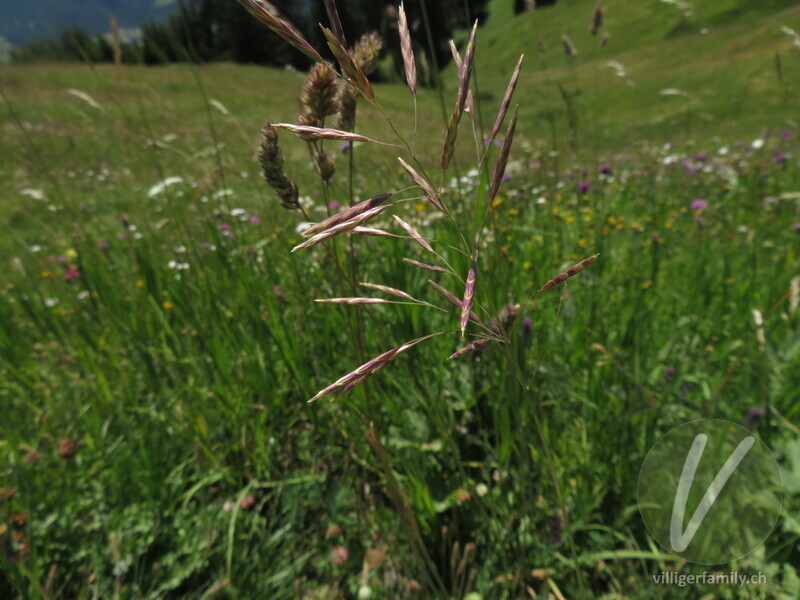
(159, 340)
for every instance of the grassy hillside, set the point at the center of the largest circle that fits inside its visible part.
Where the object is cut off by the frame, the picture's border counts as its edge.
(722, 58)
(159, 340)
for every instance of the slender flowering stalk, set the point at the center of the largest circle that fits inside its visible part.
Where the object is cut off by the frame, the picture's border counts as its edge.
(512, 85)
(415, 235)
(349, 67)
(571, 272)
(469, 294)
(407, 51)
(347, 214)
(502, 161)
(270, 16)
(465, 72)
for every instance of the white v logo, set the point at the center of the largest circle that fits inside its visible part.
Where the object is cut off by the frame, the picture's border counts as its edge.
(680, 539)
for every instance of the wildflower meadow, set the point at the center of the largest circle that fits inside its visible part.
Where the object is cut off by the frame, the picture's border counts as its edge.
(311, 333)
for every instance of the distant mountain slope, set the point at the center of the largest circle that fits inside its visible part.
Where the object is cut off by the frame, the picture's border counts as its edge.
(690, 67)
(22, 21)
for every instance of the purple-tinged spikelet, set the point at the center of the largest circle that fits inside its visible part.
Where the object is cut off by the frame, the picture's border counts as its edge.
(371, 231)
(351, 301)
(464, 75)
(415, 234)
(346, 383)
(407, 51)
(469, 294)
(571, 272)
(469, 348)
(270, 16)
(349, 67)
(512, 85)
(451, 298)
(336, 23)
(426, 187)
(347, 214)
(340, 228)
(324, 133)
(502, 160)
(426, 266)
(470, 106)
(388, 290)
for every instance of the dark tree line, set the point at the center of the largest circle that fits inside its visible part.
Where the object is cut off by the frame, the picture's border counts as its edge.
(221, 30)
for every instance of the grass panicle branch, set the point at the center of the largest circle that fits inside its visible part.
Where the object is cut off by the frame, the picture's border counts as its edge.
(415, 235)
(476, 345)
(571, 272)
(350, 69)
(424, 185)
(360, 374)
(501, 115)
(347, 214)
(502, 160)
(464, 74)
(340, 228)
(335, 21)
(325, 133)
(271, 17)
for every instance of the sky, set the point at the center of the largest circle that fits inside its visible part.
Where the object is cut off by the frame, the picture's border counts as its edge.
(23, 20)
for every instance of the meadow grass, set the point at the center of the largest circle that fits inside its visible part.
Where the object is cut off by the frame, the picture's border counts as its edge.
(179, 352)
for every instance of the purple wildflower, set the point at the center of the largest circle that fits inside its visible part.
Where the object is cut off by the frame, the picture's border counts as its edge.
(584, 187)
(255, 220)
(224, 227)
(669, 374)
(786, 134)
(699, 204)
(605, 170)
(754, 415)
(780, 158)
(70, 272)
(344, 147)
(527, 327)
(333, 205)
